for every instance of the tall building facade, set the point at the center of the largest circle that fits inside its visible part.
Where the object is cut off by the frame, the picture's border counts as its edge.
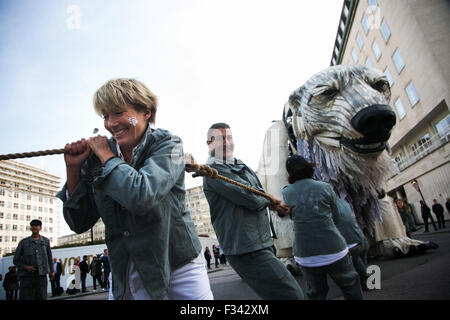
(409, 42)
(198, 206)
(26, 193)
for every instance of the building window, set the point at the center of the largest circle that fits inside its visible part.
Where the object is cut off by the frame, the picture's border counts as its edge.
(373, 4)
(342, 26)
(376, 50)
(354, 55)
(399, 107)
(443, 126)
(385, 31)
(359, 41)
(346, 11)
(365, 24)
(412, 94)
(398, 60)
(368, 62)
(421, 146)
(389, 77)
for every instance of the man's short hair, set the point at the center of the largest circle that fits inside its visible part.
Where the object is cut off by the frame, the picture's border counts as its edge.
(218, 125)
(35, 222)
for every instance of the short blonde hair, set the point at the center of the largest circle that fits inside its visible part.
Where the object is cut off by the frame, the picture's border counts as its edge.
(116, 94)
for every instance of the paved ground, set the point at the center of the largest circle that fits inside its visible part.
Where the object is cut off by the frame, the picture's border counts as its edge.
(425, 276)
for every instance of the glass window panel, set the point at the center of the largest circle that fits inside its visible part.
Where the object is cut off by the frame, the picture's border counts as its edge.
(399, 107)
(412, 94)
(376, 50)
(398, 60)
(385, 31)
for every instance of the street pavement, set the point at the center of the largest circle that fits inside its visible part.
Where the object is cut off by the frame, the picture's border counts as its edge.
(422, 277)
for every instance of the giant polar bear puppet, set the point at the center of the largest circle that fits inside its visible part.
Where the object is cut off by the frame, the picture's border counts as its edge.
(340, 120)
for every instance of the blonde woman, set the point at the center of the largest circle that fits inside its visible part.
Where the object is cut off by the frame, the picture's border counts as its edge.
(135, 182)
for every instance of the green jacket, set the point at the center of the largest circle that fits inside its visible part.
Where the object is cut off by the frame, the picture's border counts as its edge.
(348, 226)
(239, 217)
(315, 214)
(143, 207)
(37, 253)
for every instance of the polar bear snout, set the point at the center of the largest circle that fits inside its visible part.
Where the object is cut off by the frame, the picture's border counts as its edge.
(375, 122)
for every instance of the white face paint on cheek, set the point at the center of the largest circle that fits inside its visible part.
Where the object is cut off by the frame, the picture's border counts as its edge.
(133, 121)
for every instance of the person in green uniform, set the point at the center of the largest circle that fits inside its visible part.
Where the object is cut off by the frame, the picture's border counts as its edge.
(319, 248)
(241, 221)
(33, 259)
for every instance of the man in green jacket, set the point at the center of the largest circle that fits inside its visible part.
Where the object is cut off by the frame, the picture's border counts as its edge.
(33, 259)
(241, 221)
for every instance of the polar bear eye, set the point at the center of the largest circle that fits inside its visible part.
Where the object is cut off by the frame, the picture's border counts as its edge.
(381, 86)
(329, 93)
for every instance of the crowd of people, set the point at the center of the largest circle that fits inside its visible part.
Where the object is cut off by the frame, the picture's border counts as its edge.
(99, 269)
(409, 220)
(134, 181)
(35, 263)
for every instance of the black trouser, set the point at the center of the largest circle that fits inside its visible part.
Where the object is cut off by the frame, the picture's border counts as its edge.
(33, 288)
(106, 283)
(440, 220)
(56, 286)
(425, 218)
(99, 279)
(11, 294)
(83, 282)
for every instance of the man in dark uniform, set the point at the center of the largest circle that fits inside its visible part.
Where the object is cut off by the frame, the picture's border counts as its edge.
(438, 210)
(33, 259)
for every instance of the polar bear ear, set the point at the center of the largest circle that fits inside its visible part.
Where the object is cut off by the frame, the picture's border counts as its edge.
(298, 126)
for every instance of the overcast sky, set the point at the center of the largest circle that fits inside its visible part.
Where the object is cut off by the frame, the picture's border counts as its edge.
(234, 61)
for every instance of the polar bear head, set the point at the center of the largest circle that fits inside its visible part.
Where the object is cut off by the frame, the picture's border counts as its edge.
(340, 120)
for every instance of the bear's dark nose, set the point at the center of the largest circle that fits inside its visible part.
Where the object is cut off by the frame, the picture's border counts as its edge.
(375, 122)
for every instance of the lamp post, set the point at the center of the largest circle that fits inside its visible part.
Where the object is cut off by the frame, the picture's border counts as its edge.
(415, 184)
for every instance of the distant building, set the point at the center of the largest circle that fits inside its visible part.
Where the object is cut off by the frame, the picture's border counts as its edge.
(198, 206)
(26, 193)
(409, 41)
(97, 234)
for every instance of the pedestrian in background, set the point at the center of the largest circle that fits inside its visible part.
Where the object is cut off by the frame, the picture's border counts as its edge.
(447, 205)
(56, 283)
(106, 269)
(216, 255)
(77, 272)
(84, 270)
(96, 272)
(33, 259)
(401, 208)
(11, 284)
(438, 210)
(207, 255)
(426, 214)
